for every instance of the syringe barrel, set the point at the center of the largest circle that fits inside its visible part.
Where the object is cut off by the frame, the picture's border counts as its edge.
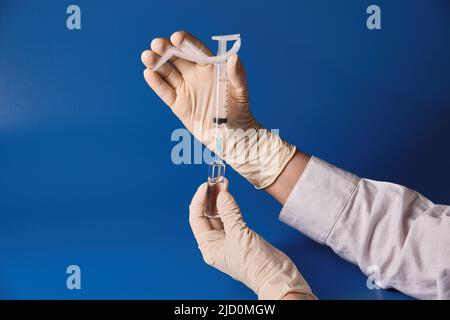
(222, 94)
(222, 83)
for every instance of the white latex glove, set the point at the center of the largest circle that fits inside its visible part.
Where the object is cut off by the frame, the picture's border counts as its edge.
(233, 248)
(188, 89)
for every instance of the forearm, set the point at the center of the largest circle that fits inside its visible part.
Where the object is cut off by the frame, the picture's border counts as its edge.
(383, 227)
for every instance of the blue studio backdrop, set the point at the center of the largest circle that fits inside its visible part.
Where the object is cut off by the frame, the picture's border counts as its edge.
(86, 176)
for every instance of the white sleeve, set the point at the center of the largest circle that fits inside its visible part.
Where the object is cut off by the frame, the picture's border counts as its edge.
(375, 225)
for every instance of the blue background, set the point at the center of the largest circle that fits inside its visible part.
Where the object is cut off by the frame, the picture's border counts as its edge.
(86, 176)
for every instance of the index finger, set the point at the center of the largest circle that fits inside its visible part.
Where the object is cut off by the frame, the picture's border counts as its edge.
(178, 37)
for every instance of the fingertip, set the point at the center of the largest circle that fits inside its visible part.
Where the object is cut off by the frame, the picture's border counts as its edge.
(223, 193)
(200, 193)
(202, 187)
(225, 184)
(233, 59)
(144, 56)
(149, 58)
(152, 78)
(154, 42)
(159, 45)
(177, 37)
(233, 63)
(148, 73)
(236, 71)
(197, 204)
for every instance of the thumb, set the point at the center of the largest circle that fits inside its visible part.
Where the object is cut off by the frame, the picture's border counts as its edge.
(229, 211)
(236, 72)
(198, 221)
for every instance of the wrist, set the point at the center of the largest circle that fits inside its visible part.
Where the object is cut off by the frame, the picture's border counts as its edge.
(288, 178)
(258, 154)
(294, 295)
(283, 280)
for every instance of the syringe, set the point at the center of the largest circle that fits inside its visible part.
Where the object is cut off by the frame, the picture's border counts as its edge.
(220, 120)
(190, 52)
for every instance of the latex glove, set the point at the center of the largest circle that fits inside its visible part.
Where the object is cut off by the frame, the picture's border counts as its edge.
(188, 89)
(233, 248)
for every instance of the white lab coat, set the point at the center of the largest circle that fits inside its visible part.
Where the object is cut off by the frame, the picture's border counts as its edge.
(382, 227)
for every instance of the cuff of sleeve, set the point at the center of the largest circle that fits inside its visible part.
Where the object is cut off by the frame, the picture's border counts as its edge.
(318, 199)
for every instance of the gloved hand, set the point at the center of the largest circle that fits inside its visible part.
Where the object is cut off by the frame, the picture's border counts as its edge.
(233, 248)
(188, 89)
